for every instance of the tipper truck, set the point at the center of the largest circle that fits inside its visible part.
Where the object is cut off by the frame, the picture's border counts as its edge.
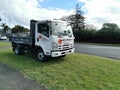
(47, 38)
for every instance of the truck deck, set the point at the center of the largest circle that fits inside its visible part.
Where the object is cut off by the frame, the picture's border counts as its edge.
(22, 40)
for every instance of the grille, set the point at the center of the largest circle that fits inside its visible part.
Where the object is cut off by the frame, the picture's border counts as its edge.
(65, 47)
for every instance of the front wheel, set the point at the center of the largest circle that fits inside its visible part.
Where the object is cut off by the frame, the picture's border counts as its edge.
(41, 56)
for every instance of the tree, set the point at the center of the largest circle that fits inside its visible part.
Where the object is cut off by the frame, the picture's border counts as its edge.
(77, 19)
(5, 27)
(109, 33)
(19, 28)
(110, 26)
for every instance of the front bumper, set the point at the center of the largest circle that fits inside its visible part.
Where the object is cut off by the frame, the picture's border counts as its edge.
(61, 53)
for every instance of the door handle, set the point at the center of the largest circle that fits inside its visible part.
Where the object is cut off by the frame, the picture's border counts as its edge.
(37, 39)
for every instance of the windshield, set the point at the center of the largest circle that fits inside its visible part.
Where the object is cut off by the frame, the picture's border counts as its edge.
(61, 29)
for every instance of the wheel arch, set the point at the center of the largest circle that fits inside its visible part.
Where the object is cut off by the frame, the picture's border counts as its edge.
(37, 48)
(17, 44)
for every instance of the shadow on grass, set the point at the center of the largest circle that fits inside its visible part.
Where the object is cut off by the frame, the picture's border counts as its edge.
(48, 60)
(28, 58)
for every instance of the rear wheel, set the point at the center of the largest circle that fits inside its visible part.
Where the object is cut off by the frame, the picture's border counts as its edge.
(18, 50)
(41, 56)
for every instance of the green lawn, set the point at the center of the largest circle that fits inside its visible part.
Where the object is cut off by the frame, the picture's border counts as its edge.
(4, 43)
(73, 72)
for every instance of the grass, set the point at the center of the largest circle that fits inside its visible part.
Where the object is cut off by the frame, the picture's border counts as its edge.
(73, 72)
(4, 44)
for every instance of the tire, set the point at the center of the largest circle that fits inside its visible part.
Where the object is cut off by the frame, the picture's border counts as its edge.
(41, 56)
(18, 50)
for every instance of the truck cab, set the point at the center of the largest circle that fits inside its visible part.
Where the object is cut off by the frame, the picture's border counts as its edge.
(55, 37)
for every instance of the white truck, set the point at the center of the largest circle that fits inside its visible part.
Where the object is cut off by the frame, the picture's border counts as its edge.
(48, 38)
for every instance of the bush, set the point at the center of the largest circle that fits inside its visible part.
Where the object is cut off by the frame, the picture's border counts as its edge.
(100, 36)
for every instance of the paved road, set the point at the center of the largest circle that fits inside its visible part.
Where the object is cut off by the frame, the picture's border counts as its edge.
(11, 79)
(105, 51)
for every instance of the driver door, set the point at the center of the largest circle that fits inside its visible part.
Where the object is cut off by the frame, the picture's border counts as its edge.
(42, 37)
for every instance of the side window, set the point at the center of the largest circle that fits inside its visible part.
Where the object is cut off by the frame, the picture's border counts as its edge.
(43, 29)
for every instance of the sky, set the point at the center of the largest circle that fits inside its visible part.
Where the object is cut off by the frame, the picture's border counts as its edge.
(97, 12)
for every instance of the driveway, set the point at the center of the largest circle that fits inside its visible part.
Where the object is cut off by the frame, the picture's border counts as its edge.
(11, 79)
(105, 51)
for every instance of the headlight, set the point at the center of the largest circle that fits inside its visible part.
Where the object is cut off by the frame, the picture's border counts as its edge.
(54, 46)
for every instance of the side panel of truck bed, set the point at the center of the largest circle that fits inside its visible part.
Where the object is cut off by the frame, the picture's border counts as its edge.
(22, 40)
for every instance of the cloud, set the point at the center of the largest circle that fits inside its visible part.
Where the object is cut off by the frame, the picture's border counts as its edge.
(22, 11)
(102, 11)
